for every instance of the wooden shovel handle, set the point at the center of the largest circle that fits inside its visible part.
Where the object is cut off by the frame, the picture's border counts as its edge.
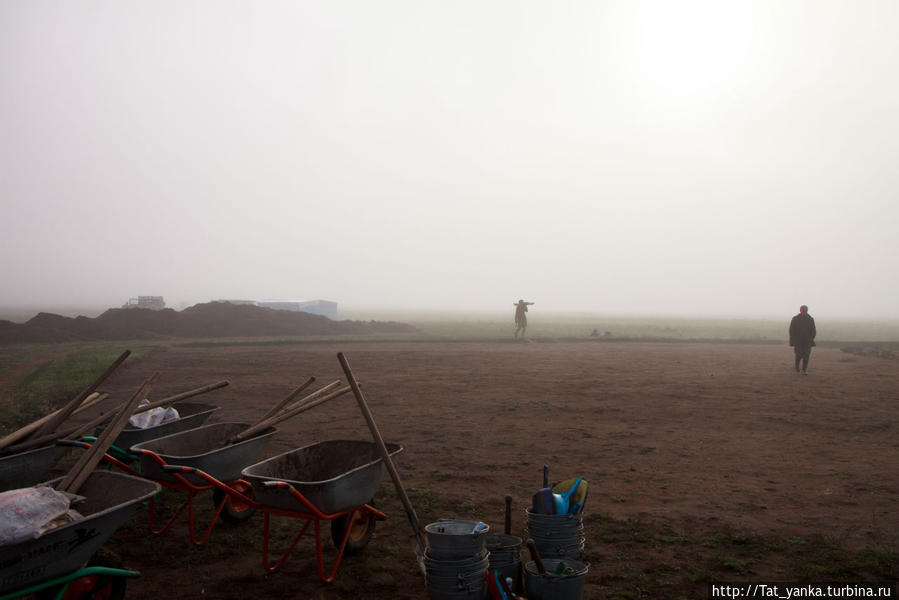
(183, 395)
(508, 524)
(535, 556)
(76, 477)
(72, 432)
(296, 409)
(311, 397)
(58, 418)
(288, 399)
(385, 455)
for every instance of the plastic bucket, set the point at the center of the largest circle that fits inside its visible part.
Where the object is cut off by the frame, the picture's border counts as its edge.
(555, 587)
(452, 539)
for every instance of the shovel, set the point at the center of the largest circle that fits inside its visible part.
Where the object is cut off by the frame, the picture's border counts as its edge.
(418, 541)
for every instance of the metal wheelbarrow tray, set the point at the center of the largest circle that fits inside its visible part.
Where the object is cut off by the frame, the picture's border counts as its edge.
(28, 468)
(110, 499)
(204, 448)
(191, 416)
(332, 481)
(170, 460)
(333, 475)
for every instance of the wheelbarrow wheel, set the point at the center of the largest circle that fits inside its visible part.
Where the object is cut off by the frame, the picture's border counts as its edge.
(93, 587)
(361, 524)
(234, 510)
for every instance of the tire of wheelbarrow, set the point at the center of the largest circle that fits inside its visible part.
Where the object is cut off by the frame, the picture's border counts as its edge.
(93, 586)
(234, 512)
(362, 526)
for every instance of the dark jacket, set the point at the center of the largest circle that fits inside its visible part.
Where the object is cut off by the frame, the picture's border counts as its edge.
(802, 330)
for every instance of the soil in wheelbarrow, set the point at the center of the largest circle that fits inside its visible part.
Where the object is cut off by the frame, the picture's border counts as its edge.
(706, 462)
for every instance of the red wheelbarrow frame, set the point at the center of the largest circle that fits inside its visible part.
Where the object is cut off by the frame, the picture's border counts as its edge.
(180, 484)
(311, 515)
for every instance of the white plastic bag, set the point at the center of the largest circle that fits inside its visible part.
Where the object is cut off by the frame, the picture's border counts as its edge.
(26, 513)
(153, 417)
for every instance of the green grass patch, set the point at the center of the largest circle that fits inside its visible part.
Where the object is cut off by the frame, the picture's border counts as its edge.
(58, 380)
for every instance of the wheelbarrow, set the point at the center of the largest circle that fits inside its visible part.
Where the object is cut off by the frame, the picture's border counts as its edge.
(191, 416)
(58, 557)
(28, 468)
(332, 481)
(206, 448)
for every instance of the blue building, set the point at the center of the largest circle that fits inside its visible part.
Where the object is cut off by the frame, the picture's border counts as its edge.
(326, 308)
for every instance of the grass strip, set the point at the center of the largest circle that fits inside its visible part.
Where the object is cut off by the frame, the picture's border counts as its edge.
(56, 381)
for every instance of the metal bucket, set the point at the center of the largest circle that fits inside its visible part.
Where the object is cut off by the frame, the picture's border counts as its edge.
(557, 536)
(460, 579)
(554, 523)
(555, 548)
(505, 557)
(555, 587)
(453, 539)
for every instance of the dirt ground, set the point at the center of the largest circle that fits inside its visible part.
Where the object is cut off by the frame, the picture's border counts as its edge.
(695, 439)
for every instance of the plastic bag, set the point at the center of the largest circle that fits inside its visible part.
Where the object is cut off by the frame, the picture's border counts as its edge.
(27, 512)
(153, 417)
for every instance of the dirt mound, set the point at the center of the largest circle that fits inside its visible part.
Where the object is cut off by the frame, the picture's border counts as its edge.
(211, 320)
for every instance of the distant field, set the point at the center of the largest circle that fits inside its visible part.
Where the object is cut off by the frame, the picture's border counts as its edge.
(470, 326)
(436, 325)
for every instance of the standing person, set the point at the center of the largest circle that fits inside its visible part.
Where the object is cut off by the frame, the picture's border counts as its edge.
(802, 337)
(521, 319)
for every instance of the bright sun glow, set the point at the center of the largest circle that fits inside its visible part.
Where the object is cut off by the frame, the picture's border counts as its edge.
(691, 50)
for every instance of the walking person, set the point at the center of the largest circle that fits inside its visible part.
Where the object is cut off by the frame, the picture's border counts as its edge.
(802, 337)
(521, 318)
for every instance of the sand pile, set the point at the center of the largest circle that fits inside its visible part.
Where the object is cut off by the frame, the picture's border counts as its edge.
(211, 320)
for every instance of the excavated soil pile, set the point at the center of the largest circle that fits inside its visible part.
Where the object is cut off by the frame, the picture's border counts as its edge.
(211, 320)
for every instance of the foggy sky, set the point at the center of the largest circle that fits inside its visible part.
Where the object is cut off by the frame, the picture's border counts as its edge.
(698, 158)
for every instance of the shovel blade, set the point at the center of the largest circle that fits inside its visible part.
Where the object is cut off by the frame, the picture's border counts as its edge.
(419, 549)
(575, 490)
